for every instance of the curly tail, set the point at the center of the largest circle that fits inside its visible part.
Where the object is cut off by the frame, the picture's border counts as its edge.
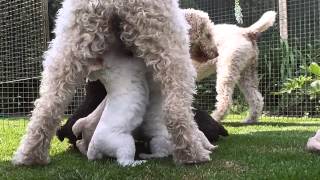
(267, 20)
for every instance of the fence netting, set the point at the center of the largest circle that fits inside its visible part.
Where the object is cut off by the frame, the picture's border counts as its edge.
(24, 35)
(278, 59)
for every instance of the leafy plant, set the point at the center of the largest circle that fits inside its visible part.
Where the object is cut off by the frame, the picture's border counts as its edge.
(304, 84)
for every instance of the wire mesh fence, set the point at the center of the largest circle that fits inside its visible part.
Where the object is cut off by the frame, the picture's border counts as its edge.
(278, 59)
(24, 36)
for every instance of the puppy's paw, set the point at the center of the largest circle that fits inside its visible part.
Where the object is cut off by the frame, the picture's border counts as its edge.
(130, 162)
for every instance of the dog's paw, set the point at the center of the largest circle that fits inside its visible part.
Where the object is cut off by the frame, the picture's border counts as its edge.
(192, 156)
(196, 150)
(20, 159)
(130, 163)
(153, 156)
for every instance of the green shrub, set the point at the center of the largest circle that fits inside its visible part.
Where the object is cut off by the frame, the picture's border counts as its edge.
(308, 84)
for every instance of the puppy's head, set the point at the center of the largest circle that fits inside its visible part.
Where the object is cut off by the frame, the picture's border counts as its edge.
(65, 132)
(202, 44)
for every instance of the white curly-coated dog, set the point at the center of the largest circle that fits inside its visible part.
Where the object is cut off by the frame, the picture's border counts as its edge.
(155, 31)
(153, 126)
(236, 65)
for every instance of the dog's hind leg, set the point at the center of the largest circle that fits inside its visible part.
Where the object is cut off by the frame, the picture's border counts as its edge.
(160, 36)
(228, 73)
(64, 68)
(248, 85)
(154, 127)
(125, 154)
(58, 83)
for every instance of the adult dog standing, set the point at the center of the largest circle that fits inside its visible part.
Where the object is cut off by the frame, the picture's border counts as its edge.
(155, 31)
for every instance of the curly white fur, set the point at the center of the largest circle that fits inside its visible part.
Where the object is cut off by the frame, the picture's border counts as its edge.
(313, 143)
(154, 125)
(127, 99)
(155, 31)
(236, 64)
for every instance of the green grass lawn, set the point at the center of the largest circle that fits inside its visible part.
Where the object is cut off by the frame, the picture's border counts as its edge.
(274, 149)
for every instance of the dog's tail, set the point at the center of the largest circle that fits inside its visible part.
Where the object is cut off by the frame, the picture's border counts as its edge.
(267, 20)
(78, 127)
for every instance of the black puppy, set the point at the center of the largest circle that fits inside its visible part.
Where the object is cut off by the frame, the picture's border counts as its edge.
(96, 93)
(210, 128)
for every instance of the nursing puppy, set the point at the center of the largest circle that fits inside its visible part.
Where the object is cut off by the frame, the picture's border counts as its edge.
(121, 111)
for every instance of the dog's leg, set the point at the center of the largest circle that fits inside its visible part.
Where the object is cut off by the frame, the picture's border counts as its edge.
(64, 69)
(154, 126)
(248, 84)
(160, 37)
(125, 154)
(228, 74)
(58, 83)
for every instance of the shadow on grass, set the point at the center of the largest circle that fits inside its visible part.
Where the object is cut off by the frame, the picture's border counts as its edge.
(239, 124)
